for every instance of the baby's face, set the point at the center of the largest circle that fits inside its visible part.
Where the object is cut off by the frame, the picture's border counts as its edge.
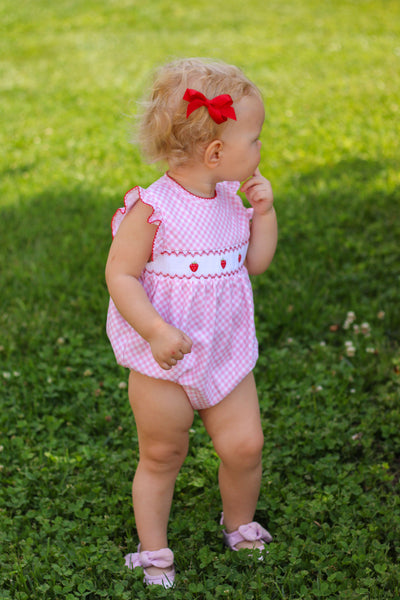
(241, 140)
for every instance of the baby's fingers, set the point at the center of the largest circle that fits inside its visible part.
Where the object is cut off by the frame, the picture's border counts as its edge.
(165, 366)
(186, 347)
(170, 361)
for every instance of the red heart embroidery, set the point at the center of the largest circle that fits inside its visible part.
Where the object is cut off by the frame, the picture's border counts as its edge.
(194, 267)
(240, 258)
(223, 263)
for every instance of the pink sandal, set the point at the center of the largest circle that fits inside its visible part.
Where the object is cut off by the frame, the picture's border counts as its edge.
(251, 532)
(163, 559)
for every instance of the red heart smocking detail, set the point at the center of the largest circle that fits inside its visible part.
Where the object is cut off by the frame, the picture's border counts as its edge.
(240, 258)
(194, 267)
(223, 263)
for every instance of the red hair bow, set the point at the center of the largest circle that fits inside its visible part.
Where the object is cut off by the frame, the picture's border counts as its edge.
(219, 108)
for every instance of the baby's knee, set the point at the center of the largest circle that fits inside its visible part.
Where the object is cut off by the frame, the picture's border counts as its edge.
(250, 449)
(244, 451)
(164, 457)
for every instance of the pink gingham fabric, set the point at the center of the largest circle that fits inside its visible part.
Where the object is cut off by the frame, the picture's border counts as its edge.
(203, 289)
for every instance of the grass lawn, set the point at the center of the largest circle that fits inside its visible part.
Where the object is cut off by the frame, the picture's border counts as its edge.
(329, 381)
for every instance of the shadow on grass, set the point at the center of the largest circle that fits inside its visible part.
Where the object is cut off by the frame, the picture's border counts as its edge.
(338, 248)
(52, 268)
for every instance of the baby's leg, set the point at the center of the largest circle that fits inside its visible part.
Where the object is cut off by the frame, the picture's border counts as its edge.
(163, 417)
(235, 428)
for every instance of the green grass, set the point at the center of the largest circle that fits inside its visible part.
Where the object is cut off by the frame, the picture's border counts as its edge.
(70, 74)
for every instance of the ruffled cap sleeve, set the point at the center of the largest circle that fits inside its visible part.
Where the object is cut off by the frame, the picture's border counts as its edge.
(130, 199)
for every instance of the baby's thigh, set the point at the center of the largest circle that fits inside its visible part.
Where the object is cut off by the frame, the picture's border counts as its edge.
(162, 411)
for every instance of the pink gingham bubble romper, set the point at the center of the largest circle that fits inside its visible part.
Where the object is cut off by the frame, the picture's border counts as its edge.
(197, 281)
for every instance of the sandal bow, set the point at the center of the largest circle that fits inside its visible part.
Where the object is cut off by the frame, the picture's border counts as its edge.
(250, 532)
(158, 558)
(162, 559)
(254, 531)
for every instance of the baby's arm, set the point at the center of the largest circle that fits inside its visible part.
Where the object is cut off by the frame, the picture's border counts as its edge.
(264, 228)
(129, 253)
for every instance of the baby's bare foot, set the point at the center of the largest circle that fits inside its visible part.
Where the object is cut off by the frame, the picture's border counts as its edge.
(249, 545)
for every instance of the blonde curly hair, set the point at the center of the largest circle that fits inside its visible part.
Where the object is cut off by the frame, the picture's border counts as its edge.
(164, 132)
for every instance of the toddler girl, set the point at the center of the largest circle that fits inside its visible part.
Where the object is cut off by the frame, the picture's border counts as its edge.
(181, 309)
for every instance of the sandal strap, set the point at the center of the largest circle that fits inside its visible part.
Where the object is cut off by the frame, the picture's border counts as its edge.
(162, 559)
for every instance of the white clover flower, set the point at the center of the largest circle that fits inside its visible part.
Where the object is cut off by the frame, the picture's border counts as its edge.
(322, 344)
(350, 350)
(316, 388)
(350, 318)
(381, 314)
(370, 350)
(87, 373)
(6, 375)
(60, 341)
(356, 329)
(122, 385)
(366, 329)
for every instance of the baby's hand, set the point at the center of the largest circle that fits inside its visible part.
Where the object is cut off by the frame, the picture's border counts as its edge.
(168, 345)
(258, 192)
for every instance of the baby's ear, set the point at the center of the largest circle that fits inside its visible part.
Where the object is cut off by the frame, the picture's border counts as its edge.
(213, 153)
